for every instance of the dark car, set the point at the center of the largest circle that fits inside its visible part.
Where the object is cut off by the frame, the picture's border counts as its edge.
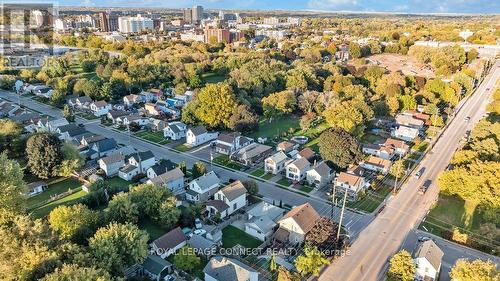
(423, 189)
(419, 173)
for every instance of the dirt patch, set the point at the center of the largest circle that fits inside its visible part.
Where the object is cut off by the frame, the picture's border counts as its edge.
(405, 64)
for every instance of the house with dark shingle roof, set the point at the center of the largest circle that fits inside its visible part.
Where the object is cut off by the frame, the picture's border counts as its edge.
(137, 163)
(227, 269)
(319, 176)
(202, 188)
(234, 195)
(101, 148)
(169, 243)
(228, 143)
(199, 135)
(295, 224)
(156, 268)
(175, 130)
(163, 166)
(112, 163)
(114, 114)
(69, 131)
(173, 180)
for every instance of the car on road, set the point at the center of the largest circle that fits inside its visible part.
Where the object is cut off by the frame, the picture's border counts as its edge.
(423, 189)
(467, 119)
(81, 125)
(423, 238)
(419, 173)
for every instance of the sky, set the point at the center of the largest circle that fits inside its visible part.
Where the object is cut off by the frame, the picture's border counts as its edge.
(408, 6)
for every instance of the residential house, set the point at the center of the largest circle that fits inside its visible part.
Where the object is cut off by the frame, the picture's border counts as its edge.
(7, 109)
(409, 121)
(138, 163)
(152, 109)
(156, 268)
(296, 170)
(405, 133)
(131, 100)
(286, 146)
(169, 243)
(428, 261)
(157, 125)
(44, 124)
(353, 183)
(202, 188)
(137, 119)
(307, 153)
(221, 268)
(68, 132)
(173, 180)
(233, 197)
(378, 150)
(35, 188)
(159, 168)
(89, 139)
(175, 102)
(114, 114)
(399, 146)
(100, 108)
(202, 245)
(112, 163)
(275, 163)
(376, 164)
(199, 135)
(101, 148)
(26, 118)
(82, 102)
(175, 130)
(228, 143)
(252, 154)
(42, 91)
(294, 225)
(319, 176)
(148, 96)
(262, 220)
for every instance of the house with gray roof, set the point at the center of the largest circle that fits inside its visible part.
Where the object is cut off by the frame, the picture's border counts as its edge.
(173, 180)
(175, 130)
(69, 131)
(296, 170)
(169, 243)
(114, 114)
(319, 176)
(156, 268)
(252, 154)
(112, 163)
(262, 219)
(275, 163)
(163, 166)
(233, 195)
(228, 143)
(199, 135)
(202, 188)
(227, 269)
(202, 246)
(428, 259)
(137, 163)
(101, 148)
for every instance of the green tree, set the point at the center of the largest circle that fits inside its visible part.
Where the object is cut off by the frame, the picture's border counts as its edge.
(73, 272)
(118, 246)
(44, 155)
(73, 160)
(251, 187)
(339, 147)
(198, 170)
(186, 259)
(311, 261)
(216, 104)
(68, 113)
(74, 222)
(279, 103)
(10, 132)
(401, 267)
(12, 188)
(121, 209)
(272, 263)
(398, 169)
(92, 89)
(148, 198)
(168, 213)
(243, 119)
(476, 270)
(354, 50)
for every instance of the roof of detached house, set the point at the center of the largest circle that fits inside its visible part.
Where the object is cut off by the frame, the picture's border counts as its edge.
(233, 190)
(226, 269)
(304, 215)
(170, 239)
(430, 251)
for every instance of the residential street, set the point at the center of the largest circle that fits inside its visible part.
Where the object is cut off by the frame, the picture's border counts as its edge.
(384, 236)
(356, 222)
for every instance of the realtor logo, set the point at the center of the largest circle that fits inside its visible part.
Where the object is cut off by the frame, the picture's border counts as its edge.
(26, 34)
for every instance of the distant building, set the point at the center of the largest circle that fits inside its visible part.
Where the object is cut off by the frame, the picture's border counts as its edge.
(134, 24)
(222, 35)
(193, 15)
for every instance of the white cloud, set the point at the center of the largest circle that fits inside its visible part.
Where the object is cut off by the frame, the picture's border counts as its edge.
(332, 4)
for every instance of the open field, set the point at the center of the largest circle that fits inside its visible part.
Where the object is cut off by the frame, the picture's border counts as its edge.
(212, 77)
(45, 209)
(232, 236)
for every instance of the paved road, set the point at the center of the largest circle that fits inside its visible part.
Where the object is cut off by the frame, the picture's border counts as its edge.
(355, 221)
(452, 252)
(383, 237)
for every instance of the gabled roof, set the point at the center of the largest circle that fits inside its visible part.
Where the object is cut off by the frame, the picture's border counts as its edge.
(265, 209)
(431, 252)
(228, 137)
(278, 157)
(377, 161)
(300, 163)
(112, 158)
(163, 166)
(219, 205)
(170, 239)
(72, 130)
(305, 216)
(286, 145)
(233, 190)
(199, 242)
(167, 177)
(198, 130)
(100, 103)
(142, 156)
(155, 264)
(105, 144)
(307, 153)
(226, 269)
(396, 144)
(117, 113)
(350, 179)
(208, 180)
(323, 169)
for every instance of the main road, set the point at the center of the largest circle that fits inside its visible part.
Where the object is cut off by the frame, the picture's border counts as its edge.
(268, 190)
(383, 237)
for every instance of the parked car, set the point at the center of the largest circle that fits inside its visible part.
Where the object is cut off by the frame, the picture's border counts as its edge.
(423, 238)
(423, 189)
(419, 173)
(198, 224)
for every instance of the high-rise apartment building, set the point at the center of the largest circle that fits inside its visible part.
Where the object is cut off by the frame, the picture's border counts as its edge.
(134, 24)
(193, 15)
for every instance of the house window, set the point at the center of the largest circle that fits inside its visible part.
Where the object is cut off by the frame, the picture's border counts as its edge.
(235, 206)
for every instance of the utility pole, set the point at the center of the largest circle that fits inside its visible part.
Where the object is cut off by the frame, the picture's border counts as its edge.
(333, 201)
(342, 214)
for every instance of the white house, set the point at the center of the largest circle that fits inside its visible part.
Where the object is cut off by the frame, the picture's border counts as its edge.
(297, 169)
(137, 119)
(202, 188)
(113, 115)
(175, 130)
(409, 121)
(428, 261)
(51, 126)
(100, 108)
(319, 176)
(169, 243)
(352, 183)
(233, 196)
(35, 188)
(138, 163)
(405, 133)
(112, 163)
(199, 135)
(130, 100)
(230, 142)
(82, 102)
(295, 224)
(276, 163)
(376, 164)
(69, 132)
(384, 152)
(262, 219)
(399, 146)
(173, 180)
(221, 268)
(43, 91)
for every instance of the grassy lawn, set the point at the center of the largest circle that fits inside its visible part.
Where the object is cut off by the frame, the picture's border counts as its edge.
(117, 182)
(156, 137)
(182, 148)
(421, 147)
(305, 188)
(88, 116)
(276, 127)
(53, 189)
(371, 138)
(258, 173)
(225, 161)
(284, 181)
(232, 236)
(314, 131)
(372, 200)
(151, 228)
(212, 77)
(267, 176)
(45, 209)
(313, 144)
